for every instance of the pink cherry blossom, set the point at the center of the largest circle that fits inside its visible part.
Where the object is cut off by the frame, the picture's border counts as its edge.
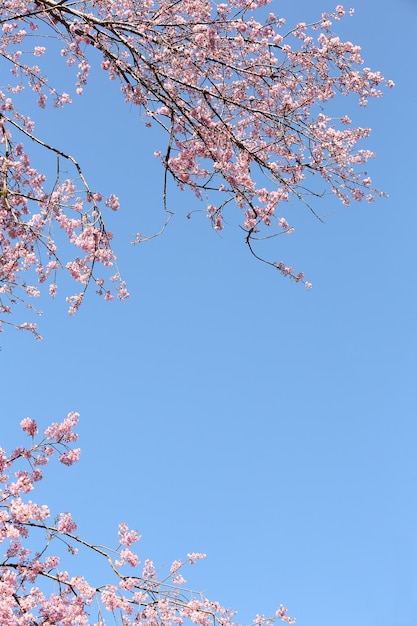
(29, 426)
(193, 557)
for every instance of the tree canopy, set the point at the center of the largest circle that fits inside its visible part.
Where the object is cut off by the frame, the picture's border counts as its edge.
(242, 102)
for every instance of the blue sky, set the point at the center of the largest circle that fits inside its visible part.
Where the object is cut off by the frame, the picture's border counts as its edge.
(227, 410)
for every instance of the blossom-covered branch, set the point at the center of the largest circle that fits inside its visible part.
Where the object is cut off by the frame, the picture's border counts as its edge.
(242, 101)
(36, 586)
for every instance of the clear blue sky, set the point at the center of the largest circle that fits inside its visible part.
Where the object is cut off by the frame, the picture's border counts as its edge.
(227, 410)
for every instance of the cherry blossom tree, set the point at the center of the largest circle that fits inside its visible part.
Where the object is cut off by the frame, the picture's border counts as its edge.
(242, 102)
(37, 588)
